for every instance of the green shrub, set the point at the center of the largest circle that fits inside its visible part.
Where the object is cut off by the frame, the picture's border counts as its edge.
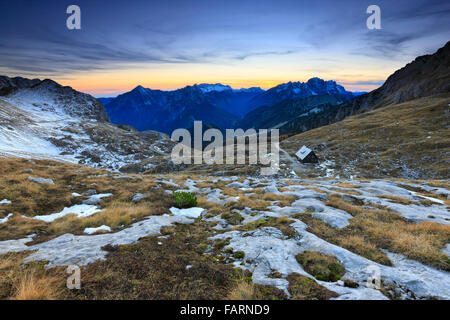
(233, 217)
(185, 200)
(321, 266)
(239, 255)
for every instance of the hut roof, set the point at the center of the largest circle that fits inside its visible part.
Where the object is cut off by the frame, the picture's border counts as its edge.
(303, 152)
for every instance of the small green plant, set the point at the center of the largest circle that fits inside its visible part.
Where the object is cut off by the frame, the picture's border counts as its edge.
(239, 255)
(321, 266)
(185, 200)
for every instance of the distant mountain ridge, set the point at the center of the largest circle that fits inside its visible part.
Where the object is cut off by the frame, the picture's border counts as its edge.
(216, 104)
(289, 115)
(166, 111)
(295, 90)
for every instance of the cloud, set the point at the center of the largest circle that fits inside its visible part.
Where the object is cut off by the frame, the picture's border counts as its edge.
(265, 53)
(120, 35)
(362, 83)
(55, 54)
(406, 30)
(385, 44)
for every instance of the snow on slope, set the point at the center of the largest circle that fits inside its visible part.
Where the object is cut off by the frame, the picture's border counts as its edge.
(48, 121)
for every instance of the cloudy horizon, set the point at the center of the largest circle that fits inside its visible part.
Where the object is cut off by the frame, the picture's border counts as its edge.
(169, 45)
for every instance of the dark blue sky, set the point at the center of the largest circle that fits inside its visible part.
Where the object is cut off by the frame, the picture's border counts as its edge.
(169, 44)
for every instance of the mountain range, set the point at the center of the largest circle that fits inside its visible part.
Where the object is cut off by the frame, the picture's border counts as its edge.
(43, 119)
(215, 104)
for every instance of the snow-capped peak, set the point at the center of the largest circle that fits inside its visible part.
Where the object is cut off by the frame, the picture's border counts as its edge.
(205, 87)
(314, 86)
(140, 89)
(252, 89)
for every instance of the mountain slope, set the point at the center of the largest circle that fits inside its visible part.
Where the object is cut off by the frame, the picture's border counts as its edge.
(407, 140)
(288, 114)
(425, 76)
(42, 119)
(51, 97)
(296, 90)
(234, 101)
(166, 110)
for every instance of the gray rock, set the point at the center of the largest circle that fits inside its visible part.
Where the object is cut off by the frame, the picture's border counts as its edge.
(81, 250)
(140, 196)
(91, 192)
(41, 180)
(96, 199)
(271, 189)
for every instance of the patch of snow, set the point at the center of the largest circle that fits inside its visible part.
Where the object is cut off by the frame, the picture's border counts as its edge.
(15, 245)
(190, 212)
(5, 219)
(80, 210)
(429, 198)
(446, 250)
(5, 201)
(94, 230)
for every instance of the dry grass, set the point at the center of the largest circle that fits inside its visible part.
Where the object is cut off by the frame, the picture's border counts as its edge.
(18, 227)
(351, 192)
(281, 223)
(347, 185)
(371, 229)
(146, 270)
(246, 290)
(35, 287)
(438, 183)
(316, 190)
(396, 199)
(336, 201)
(252, 203)
(304, 288)
(30, 198)
(386, 142)
(29, 282)
(348, 238)
(282, 201)
(117, 215)
(213, 209)
(422, 241)
(243, 291)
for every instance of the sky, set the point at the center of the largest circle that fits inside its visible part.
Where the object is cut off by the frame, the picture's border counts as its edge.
(173, 43)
